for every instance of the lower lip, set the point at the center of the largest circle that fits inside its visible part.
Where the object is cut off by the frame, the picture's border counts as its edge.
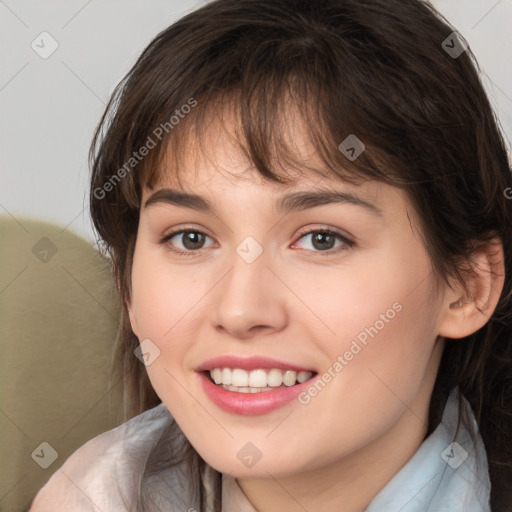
(251, 404)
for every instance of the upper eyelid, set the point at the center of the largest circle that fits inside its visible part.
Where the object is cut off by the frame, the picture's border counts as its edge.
(302, 233)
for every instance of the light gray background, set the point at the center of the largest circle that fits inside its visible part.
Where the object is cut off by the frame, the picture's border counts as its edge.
(50, 107)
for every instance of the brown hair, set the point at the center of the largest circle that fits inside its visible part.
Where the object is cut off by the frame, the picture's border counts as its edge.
(373, 68)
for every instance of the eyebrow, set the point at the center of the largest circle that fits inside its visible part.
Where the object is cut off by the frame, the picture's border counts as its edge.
(294, 201)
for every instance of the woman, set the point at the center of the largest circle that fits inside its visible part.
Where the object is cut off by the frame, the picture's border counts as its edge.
(304, 203)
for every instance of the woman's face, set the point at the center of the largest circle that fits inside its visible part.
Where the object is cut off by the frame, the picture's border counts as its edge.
(262, 295)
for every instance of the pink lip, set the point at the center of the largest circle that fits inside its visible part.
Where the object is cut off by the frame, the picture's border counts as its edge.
(249, 363)
(250, 404)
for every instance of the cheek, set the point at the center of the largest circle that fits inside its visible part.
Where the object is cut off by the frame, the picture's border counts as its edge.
(163, 301)
(382, 296)
(163, 295)
(380, 331)
(167, 303)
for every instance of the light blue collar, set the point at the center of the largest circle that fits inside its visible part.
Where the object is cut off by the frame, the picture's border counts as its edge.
(448, 473)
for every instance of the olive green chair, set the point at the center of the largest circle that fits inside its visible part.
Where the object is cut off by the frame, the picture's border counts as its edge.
(58, 325)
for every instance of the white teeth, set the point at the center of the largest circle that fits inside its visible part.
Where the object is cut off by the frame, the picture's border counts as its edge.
(275, 378)
(303, 376)
(289, 377)
(245, 389)
(239, 378)
(226, 376)
(217, 375)
(258, 379)
(236, 379)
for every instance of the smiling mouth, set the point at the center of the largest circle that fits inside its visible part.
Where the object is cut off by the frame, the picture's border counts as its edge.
(256, 381)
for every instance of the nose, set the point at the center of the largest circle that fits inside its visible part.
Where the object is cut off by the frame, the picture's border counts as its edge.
(250, 299)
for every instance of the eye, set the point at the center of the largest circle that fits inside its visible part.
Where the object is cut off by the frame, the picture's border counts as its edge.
(192, 241)
(324, 240)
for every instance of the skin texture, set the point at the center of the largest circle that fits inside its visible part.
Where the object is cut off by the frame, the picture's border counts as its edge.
(300, 305)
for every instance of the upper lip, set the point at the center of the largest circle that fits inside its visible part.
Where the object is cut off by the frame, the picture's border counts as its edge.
(249, 363)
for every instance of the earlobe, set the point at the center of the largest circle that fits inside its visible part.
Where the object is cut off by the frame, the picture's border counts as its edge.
(466, 312)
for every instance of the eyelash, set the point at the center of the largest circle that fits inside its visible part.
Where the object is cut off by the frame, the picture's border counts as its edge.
(348, 244)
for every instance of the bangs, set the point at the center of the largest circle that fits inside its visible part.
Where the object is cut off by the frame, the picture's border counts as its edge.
(262, 121)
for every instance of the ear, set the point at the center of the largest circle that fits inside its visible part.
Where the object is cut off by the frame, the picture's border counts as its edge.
(464, 314)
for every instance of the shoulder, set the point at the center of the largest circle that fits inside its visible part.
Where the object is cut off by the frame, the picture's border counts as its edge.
(102, 473)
